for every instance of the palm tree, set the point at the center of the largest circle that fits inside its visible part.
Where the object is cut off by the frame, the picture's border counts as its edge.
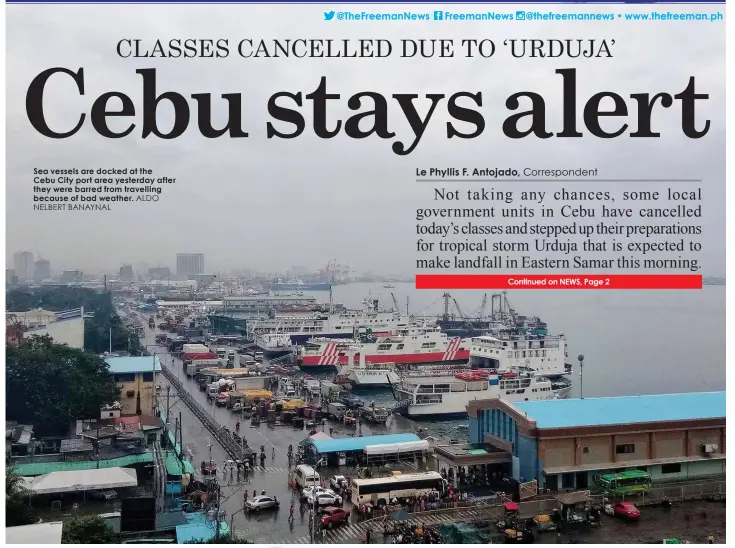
(17, 511)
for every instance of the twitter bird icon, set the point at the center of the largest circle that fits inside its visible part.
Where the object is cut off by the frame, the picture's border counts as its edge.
(328, 15)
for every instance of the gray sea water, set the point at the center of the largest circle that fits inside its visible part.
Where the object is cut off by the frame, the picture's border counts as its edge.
(633, 342)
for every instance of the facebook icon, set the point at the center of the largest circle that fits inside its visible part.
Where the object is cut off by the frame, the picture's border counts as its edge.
(438, 15)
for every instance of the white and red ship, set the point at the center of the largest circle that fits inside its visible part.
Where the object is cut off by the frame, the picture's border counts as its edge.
(413, 345)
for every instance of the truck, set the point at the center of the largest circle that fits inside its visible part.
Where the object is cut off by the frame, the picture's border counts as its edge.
(197, 365)
(191, 348)
(329, 390)
(336, 410)
(191, 356)
(377, 414)
(218, 387)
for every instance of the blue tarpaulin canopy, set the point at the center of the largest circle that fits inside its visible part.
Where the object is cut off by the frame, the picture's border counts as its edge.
(345, 445)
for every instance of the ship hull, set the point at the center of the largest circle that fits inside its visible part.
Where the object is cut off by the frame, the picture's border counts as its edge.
(372, 379)
(316, 286)
(428, 358)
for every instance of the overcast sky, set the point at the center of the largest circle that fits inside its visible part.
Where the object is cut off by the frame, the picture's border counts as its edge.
(270, 204)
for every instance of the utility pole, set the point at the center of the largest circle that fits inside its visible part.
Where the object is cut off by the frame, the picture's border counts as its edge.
(581, 381)
(168, 406)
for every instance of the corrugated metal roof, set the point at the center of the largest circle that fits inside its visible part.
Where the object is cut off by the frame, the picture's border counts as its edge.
(624, 409)
(340, 445)
(132, 364)
(40, 468)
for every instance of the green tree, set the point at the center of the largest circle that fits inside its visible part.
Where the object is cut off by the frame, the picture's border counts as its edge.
(17, 511)
(97, 329)
(88, 530)
(49, 385)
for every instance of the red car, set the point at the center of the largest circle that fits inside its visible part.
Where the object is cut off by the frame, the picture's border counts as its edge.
(332, 515)
(626, 510)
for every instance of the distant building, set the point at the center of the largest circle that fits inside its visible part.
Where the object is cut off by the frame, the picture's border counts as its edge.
(23, 265)
(137, 379)
(126, 272)
(159, 273)
(71, 276)
(569, 444)
(41, 270)
(66, 327)
(11, 280)
(189, 264)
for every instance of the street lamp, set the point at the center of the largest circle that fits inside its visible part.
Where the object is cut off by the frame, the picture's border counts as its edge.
(581, 378)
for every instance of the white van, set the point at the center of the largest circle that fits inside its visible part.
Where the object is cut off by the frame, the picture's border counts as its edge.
(306, 476)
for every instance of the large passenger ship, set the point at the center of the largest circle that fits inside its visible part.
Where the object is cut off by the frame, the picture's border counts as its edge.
(447, 396)
(546, 355)
(408, 345)
(338, 325)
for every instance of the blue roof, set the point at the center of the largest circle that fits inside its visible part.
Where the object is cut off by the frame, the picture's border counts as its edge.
(199, 528)
(342, 445)
(624, 410)
(132, 364)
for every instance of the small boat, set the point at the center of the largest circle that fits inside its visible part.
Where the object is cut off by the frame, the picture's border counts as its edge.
(389, 286)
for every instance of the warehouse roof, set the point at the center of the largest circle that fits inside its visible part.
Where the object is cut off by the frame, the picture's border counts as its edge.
(343, 445)
(624, 410)
(132, 364)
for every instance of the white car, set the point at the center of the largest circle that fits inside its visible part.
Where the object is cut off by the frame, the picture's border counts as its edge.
(338, 481)
(325, 499)
(309, 491)
(256, 504)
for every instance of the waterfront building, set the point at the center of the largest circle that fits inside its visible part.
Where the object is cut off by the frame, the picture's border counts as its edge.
(136, 375)
(570, 444)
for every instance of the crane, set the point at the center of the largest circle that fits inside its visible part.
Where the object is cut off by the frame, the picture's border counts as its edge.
(202, 286)
(395, 302)
(483, 306)
(456, 304)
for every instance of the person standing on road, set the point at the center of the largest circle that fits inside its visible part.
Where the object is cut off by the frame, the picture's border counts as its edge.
(273, 453)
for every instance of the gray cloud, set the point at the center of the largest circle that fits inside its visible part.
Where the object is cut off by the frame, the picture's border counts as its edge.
(269, 204)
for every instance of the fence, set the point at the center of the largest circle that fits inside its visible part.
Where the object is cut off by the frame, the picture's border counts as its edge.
(223, 437)
(679, 492)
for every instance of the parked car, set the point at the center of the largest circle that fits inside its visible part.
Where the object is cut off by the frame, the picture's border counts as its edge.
(333, 515)
(103, 494)
(338, 481)
(626, 510)
(309, 491)
(263, 502)
(325, 499)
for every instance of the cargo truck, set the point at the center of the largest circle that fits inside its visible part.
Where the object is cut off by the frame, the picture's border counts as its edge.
(197, 365)
(191, 356)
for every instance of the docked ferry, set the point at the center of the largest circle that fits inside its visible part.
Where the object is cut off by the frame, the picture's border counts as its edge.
(447, 396)
(407, 345)
(545, 355)
(337, 325)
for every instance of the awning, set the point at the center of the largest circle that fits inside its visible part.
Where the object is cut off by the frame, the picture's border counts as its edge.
(82, 480)
(38, 533)
(397, 448)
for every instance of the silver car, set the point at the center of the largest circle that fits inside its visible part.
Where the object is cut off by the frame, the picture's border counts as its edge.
(325, 499)
(262, 502)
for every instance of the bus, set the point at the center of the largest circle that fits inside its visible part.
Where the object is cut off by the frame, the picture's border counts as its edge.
(625, 483)
(381, 491)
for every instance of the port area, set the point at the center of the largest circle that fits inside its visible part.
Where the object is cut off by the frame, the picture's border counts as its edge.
(690, 521)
